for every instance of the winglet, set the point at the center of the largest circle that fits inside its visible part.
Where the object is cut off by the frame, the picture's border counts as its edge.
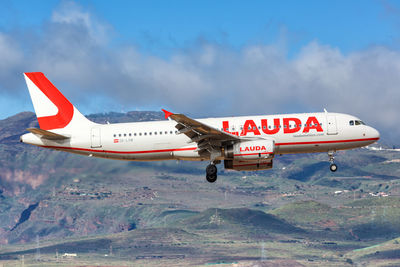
(167, 113)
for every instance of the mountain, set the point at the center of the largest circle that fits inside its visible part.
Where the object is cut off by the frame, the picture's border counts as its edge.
(164, 212)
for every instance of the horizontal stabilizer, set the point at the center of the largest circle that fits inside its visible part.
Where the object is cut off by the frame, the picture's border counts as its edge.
(47, 134)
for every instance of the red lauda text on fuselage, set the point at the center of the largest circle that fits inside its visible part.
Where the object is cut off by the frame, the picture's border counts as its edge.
(252, 148)
(289, 125)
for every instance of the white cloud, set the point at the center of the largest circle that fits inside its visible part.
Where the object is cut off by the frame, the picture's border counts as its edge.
(71, 13)
(10, 59)
(207, 78)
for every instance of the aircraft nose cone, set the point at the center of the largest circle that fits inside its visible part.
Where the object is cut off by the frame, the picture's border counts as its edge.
(374, 133)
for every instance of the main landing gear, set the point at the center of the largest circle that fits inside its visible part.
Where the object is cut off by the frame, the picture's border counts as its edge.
(211, 173)
(211, 170)
(333, 167)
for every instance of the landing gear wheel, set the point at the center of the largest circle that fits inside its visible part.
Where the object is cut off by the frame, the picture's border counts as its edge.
(333, 167)
(211, 178)
(211, 173)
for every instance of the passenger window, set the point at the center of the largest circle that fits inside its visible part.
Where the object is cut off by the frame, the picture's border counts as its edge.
(170, 132)
(155, 133)
(149, 133)
(115, 135)
(166, 132)
(119, 135)
(145, 133)
(130, 134)
(124, 134)
(264, 127)
(269, 127)
(160, 132)
(134, 134)
(140, 134)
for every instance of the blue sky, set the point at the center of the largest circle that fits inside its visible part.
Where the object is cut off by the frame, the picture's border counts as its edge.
(159, 26)
(206, 58)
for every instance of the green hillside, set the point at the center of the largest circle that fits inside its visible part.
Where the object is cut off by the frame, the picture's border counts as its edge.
(165, 213)
(239, 220)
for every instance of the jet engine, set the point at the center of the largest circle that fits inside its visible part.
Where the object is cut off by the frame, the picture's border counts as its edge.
(250, 150)
(250, 155)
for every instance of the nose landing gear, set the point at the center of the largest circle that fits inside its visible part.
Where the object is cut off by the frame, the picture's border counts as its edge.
(333, 167)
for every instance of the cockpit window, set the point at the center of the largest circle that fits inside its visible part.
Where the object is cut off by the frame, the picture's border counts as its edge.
(356, 122)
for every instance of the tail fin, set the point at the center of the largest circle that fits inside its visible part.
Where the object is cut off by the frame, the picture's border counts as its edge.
(53, 110)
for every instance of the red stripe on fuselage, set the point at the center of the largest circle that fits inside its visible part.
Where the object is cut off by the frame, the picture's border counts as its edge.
(121, 152)
(193, 148)
(326, 142)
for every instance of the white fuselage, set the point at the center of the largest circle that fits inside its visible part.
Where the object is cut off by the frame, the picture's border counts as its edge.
(160, 140)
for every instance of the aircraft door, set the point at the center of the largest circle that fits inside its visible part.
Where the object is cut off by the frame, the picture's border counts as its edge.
(331, 125)
(96, 137)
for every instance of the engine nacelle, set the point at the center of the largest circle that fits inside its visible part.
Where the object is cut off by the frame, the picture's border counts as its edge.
(251, 150)
(253, 165)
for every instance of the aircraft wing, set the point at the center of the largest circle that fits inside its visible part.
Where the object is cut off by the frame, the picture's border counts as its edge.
(207, 138)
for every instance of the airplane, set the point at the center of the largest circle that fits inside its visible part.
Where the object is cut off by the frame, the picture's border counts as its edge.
(246, 143)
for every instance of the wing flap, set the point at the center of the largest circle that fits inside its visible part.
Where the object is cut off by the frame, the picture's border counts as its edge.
(193, 128)
(209, 140)
(47, 134)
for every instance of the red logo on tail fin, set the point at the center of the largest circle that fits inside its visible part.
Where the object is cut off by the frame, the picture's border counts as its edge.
(65, 108)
